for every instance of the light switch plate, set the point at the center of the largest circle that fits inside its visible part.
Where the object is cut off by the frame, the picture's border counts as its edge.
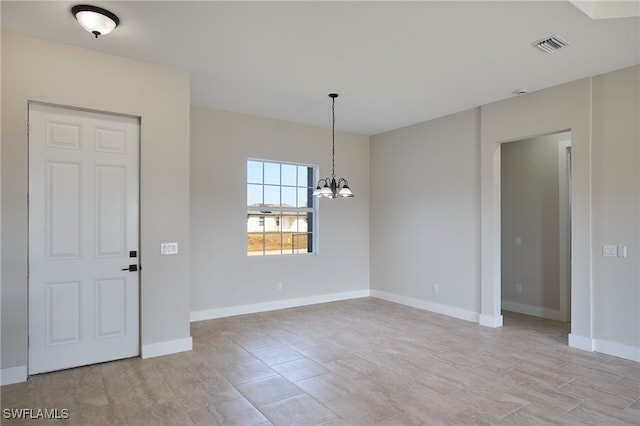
(622, 251)
(168, 248)
(609, 251)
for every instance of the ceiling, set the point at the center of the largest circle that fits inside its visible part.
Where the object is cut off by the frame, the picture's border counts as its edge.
(393, 63)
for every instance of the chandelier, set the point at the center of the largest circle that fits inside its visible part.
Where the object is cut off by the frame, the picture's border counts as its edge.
(329, 187)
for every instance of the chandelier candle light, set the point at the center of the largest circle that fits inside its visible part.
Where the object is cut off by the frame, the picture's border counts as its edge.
(331, 187)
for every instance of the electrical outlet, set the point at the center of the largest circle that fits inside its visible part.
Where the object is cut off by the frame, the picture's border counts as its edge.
(279, 285)
(436, 288)
(518, 289)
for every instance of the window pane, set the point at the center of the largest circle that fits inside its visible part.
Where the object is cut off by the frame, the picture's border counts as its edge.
(304, 243)
(305, 177)
(271, 222)
(272, 173)
(304, 195)
(273, 243)
(295, 242)
(302, 222)
(289, 174)
(272, 195)
(255, 244)
(254, 194)
(288, 242)
(289, 222)
(288, 196)
(254, 171)
(255, 223)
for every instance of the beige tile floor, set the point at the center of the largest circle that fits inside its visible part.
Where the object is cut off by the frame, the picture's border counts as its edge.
(357, 362)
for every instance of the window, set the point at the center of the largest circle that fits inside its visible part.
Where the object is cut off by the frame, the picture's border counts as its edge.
(280, 208)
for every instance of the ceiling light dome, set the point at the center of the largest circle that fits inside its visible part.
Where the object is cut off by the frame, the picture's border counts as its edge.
(96, 20)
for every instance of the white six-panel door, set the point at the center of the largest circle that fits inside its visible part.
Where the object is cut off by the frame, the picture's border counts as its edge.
(83, 231)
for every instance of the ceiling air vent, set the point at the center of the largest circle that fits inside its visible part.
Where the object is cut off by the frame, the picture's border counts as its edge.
(550, 44)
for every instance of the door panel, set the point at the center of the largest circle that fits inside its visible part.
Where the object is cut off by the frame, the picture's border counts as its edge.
(62, 210)
(110, 307)
(83, 222)
(111, 202)
(63, 313)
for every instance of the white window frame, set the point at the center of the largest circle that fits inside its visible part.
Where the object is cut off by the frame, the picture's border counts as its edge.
(264, 210)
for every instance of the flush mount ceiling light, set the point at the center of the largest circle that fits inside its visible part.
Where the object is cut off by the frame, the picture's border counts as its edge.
(331, 187)
(96, 20)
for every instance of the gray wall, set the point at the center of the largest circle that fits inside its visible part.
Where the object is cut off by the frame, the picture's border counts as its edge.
(426, 160)
(616, 208)
(223, 277)
(44, 71)
(425, 208)
(602, 114)
(530, 202)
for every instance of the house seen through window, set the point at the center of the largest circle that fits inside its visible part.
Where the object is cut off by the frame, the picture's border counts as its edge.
(280, 208)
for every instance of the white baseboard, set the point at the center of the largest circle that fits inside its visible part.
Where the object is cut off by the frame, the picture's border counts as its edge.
(536, 311)
(166, 348)
(581, 342)
(18, 374)
(11, 375)
(231, 311)
(427, 306)
(490, 321)
(617, 349)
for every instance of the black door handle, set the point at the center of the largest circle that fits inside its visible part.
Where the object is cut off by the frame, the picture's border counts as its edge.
(131, 268)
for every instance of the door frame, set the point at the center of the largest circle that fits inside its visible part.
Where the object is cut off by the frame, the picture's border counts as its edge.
(561, 108)
(564, 182)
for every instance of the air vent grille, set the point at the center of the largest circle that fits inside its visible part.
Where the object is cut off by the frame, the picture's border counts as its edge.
(550, 44)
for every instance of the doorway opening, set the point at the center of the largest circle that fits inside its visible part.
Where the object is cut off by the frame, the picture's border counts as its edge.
(536, 226)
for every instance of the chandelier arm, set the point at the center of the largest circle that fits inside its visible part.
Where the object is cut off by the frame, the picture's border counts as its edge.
(323, 180)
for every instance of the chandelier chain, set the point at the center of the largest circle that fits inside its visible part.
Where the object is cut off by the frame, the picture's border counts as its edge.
(333, 139)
